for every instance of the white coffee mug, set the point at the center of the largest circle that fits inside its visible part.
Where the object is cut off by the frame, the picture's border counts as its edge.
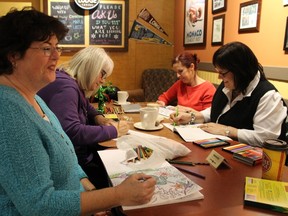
(122, 96)
(148, 116)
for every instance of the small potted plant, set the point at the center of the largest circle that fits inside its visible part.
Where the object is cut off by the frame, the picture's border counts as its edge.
(103, 95)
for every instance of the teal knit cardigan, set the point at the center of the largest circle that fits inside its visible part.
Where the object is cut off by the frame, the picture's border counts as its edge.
(39, 173)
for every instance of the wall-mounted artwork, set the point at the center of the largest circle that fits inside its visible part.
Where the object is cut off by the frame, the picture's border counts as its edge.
(249, 16)
(219, 6)
(218, 30)
(286, 36)
(195, 22)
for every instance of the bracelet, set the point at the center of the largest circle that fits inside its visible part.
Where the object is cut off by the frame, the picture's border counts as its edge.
(193, 117)
(227, 131)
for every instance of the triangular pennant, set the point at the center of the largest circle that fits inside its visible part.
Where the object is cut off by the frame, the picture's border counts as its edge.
(140, 32)
(147, 17)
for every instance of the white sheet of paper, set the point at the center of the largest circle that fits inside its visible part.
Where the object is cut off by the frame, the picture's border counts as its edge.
(192, 133)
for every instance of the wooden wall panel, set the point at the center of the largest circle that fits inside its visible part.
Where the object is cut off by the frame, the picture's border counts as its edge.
(143, 55)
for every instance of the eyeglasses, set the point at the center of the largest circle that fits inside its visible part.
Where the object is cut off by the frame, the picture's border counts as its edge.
(48, 50)
(103, 74)
(223, 74)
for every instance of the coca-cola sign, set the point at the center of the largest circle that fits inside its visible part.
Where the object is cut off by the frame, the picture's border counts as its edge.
(87, 4)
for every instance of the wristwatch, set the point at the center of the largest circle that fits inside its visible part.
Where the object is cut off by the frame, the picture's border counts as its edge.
(193, 117)
(227, 131)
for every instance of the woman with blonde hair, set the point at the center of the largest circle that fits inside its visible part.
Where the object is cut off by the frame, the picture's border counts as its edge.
(67, 97)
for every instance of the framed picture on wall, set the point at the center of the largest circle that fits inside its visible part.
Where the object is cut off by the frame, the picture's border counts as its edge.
(195, 22)
(218, 30)
(286, 36)
(219, 6)
(105, 25)
(249, 16)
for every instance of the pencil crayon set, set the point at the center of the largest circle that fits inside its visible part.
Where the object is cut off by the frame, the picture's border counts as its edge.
(143, 152)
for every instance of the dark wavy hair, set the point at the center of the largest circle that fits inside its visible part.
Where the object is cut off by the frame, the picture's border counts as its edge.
(186, 59)
(240, 60)
(19, 28)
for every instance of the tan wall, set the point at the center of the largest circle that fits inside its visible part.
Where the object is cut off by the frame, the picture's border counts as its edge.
(267, 44)
(129, 65)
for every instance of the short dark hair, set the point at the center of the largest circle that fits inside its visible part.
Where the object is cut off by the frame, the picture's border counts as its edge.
(19, 28)
(240, 60)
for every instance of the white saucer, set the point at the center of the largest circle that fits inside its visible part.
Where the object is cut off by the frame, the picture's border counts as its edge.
(119, 104)
(138, 125)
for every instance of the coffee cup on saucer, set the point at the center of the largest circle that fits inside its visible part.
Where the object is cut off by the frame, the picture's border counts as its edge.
(148, 116)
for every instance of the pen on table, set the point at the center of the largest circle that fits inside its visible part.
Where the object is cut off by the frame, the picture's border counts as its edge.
(187, 162)
(191, 172)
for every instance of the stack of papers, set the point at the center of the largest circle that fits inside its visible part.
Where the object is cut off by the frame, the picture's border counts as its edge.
(172, 186)
(191, 133)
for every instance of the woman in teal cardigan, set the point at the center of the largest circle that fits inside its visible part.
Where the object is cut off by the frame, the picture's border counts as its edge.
(39, 173)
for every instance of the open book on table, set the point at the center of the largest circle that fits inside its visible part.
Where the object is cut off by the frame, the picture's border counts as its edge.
(172, 186)
(191, 133)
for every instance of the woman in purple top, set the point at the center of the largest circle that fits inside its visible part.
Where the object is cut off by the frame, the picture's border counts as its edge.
(67, 97)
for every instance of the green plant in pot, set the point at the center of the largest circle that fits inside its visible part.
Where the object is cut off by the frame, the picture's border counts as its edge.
(102, 95)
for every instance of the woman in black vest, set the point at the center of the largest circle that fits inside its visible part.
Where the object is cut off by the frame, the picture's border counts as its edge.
(246, 106)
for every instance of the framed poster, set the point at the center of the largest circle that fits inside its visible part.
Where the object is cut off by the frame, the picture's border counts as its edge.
(249, 16)
(105, 26)
(219, 6)
(286, 36)
(195, 22)
(218, 30)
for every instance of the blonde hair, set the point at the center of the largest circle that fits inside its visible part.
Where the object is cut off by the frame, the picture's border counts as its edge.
(86, 65)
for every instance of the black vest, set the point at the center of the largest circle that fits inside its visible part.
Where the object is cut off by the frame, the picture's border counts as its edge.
(241, 114)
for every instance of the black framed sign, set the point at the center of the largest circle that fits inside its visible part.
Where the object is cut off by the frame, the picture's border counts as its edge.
(195, 22)
(105, 26)
(286, 36)
(249, 16)
(219, 6)
(218, 30)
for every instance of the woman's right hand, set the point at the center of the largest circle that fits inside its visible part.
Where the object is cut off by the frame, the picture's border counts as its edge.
(180, 118)
(136, 189)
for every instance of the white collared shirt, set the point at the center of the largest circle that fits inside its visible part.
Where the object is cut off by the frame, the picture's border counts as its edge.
(267, 120)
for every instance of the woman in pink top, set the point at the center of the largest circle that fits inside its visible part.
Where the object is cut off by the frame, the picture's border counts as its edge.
(190, 90)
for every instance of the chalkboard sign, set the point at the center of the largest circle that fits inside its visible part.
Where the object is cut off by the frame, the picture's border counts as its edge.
(104, 26)
(67, 14)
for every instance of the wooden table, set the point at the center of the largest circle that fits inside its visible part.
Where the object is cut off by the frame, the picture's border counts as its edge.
(223, 188)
